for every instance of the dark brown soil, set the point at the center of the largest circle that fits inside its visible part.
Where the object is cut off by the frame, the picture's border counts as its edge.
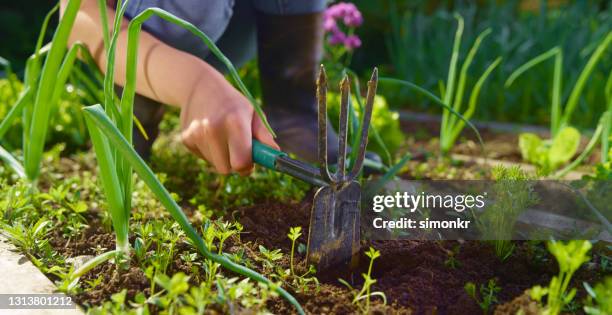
(414, 275)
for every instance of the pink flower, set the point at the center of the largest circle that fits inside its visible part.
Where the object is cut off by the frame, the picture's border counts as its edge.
(329, 25)
(353, 19)
(347, 14)
(337, 38)
(352, 42)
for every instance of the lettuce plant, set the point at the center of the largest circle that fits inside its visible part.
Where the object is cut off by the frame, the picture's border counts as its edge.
(549, 155)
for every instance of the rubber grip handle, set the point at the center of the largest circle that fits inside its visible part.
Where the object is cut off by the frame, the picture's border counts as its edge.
(265, 156)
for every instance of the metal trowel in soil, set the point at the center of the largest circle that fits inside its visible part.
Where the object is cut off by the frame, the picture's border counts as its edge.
(334, 232)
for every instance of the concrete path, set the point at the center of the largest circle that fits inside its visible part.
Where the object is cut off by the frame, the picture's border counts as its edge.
(19, 276)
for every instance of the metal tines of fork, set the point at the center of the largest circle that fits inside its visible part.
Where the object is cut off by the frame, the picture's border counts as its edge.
(340, 177)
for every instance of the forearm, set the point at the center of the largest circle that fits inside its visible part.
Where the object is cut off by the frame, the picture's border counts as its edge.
(164, 73)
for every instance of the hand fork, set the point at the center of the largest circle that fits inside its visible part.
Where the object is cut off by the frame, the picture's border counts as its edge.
(334, 231)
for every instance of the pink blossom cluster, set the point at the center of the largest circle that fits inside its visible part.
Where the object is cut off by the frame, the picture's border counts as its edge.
(349, 15)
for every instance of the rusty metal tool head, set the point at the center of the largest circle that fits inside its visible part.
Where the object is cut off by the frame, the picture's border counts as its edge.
(334, 233)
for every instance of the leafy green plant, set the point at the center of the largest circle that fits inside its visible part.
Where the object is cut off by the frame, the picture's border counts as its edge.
(29, 239)
(512, 193)
(365, 292)
(270, 257)
(485, 296)
(294, 234)
(549, 155)
(570, 256)
(599, 301)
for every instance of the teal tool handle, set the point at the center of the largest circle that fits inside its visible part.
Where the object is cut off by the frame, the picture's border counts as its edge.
(279, 161)
(265, 155)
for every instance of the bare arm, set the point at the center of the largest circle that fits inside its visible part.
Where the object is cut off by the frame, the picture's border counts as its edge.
(218, 123)
(164, 73)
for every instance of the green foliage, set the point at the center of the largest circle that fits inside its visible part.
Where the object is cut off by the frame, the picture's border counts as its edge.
(550, 155)
(570, 256)
(599, 301)
(512, 193)
(365, 292)
(485, 296)
(451, 127)
(384, 120)
(418, 46)
(294, 234)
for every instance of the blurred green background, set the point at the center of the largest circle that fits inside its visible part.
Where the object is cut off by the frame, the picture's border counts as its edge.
(412, 40)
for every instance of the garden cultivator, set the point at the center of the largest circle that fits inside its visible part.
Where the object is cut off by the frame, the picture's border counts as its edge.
(333, 238)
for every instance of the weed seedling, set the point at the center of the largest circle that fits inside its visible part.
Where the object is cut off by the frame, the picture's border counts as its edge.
(294, 234)
(452, 261)
(365, 292)
(570, 256)
(485, 296)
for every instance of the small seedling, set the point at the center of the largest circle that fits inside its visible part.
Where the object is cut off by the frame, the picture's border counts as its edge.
(570, 256)
(294, 234)
(486, 296)
(365, 292)
(270, 256)
(452, 261)
(513, 194)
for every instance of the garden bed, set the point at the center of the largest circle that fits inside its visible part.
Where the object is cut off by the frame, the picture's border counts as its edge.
(417, 277)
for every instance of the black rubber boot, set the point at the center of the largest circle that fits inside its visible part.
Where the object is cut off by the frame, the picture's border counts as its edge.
(289, 53)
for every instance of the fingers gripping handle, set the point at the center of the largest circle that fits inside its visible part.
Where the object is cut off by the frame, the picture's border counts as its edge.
(265, 155)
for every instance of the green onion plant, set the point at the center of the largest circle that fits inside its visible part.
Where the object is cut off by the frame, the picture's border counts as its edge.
(451, 127)
(452, 94)
(551, 154)
(110, 128)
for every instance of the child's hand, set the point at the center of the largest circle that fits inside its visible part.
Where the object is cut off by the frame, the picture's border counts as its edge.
(218, 124)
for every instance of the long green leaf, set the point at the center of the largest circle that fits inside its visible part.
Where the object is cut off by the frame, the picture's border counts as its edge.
(530, 64)
(110, 184)
(8, 158)
(473, 99)
(43, 28)
(450, 81)
(572, 102)
(104, 21)
(555, 112)
(42, 108)
(607, 123)
(95, 114)
(436, 101)
(14, 112)
(463, 76)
